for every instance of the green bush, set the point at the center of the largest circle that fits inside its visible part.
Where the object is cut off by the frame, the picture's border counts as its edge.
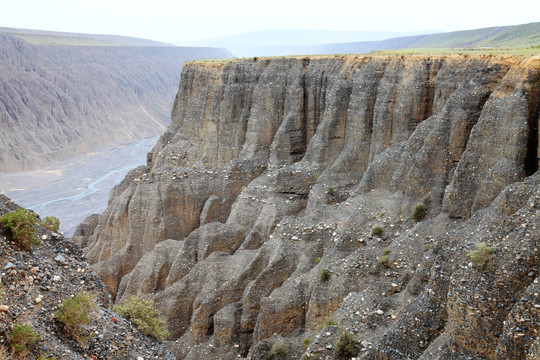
(76, 312)
(377, 231)
(318, 260)
(384, 261)
(306, 342)
(346, 346)
(278, 350)
(325, 275)
(482, 256)
(419, 212)
(331, 191)
(18, 226)
(50, 223)
(144, 316)
(331, 322)
(21, 337)
(386, 251)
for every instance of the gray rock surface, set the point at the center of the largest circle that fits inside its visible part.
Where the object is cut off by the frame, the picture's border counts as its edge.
(275, 169)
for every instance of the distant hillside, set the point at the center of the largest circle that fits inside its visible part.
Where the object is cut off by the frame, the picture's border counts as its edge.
(518, 36)
(56, 100)
(40, 37)
(291, 42)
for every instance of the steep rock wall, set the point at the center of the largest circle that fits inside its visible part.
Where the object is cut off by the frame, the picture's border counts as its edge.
(60, 100)
(275, 169)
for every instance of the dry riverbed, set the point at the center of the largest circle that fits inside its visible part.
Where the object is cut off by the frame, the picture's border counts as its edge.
(76, 187)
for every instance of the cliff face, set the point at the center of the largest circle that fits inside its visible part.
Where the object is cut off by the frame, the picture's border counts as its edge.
(60, 100)
(273, 170)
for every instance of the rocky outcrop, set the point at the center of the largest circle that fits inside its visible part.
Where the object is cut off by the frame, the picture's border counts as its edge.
(274, 170)
(35, 282)
(59, 100)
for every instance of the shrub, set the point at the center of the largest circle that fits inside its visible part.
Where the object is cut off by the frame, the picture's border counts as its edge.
(278, 350)
(482, 256)
(384, 261)
(419, 212)
(306, 342)
(21, 337)
(386, 251)
(377, 231)
(325, 275)
(346, 346)
(50, 223)
(331, 322)
(144, 316)
(318, 260)
(18, 226)
(76, 312)
(331, 191)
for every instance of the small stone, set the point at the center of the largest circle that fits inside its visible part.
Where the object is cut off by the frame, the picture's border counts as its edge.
(4, 308)
(140, 358)
(33, 270)
(56, 278)
(9, 265)
(60, 258)
(43, 237)
(329, 347)
(379, 312)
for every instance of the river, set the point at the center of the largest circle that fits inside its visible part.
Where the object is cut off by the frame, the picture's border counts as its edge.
(76, 187)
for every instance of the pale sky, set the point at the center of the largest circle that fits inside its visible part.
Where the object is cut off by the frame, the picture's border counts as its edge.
(181, 20)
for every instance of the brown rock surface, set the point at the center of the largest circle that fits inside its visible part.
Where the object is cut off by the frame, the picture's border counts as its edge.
(275, 169)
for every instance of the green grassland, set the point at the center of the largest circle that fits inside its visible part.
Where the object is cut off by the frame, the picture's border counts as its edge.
(531, 51)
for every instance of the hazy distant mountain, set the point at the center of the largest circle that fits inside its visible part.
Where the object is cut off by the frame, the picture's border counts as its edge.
(292, 42)
(514, 36)
(310, 42)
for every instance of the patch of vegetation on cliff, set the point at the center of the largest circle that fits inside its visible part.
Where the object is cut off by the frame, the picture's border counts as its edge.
(18, 226)
(144, 316)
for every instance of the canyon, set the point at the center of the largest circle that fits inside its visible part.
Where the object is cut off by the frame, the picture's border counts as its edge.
(275, 171)
(63, 94)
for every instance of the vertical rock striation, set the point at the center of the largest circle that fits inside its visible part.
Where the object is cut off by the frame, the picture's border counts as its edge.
(275, 169)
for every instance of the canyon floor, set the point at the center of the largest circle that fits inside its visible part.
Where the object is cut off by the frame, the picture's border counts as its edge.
(77, 187)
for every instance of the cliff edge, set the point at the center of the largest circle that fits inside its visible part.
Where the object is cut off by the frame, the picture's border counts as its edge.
(283, 193)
